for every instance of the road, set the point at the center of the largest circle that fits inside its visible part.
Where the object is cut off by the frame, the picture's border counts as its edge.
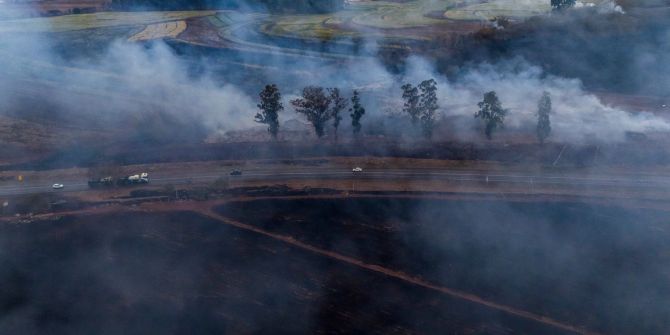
(646, 182)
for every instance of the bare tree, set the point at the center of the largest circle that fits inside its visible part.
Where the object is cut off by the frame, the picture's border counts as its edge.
(410, 95)
(491, 111)
(543, 121)
(314, 104)
(428, 106)
(338, 104)
(270, 107)
(357, 112)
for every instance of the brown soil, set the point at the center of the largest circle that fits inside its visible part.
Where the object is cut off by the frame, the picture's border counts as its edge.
(201, 31)
(55, 7)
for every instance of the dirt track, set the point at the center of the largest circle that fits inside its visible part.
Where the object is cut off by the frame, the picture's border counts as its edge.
(401, 276)
(205, 208)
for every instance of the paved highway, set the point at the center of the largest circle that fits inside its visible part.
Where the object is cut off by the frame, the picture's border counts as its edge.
(408, 175)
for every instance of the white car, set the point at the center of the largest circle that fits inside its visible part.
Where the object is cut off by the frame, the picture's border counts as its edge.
(357, 169)
(57, 186)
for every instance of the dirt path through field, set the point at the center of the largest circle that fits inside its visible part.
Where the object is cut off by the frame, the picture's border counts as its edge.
(204, 209)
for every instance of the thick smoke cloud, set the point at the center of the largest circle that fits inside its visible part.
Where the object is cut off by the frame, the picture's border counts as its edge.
(139, 81)
(577, 115)
(129, 80)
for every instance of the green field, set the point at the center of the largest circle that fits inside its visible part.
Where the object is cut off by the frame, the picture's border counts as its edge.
(388, 20)
(382, 17)
(363, 14)
(92, 21)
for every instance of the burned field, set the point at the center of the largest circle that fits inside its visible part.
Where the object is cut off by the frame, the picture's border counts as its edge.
(181, 273)
(294, 211)
(601, 268)
(594, 269)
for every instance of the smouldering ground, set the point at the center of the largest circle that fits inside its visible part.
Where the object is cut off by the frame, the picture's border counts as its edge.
(183, 273)
(354, 265)
(599, 267)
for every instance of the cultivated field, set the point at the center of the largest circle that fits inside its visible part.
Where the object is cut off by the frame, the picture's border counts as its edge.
(160, 30)
(92, 21)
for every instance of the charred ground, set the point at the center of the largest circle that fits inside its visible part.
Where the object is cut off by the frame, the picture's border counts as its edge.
(182, 273)
(596, 267)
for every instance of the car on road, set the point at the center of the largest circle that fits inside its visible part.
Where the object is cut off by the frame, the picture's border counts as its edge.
(357, 169)
(57, 186)
(236, 173)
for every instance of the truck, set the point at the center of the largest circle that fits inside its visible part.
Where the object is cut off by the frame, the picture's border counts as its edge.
(141, 178)
(101, 182)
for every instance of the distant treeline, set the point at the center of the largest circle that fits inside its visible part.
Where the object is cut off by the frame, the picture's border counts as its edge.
(302, 6)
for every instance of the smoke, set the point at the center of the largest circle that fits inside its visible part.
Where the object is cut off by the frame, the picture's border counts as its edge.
(128, 80)
(577, 115)
(126, 83)
(603, 7)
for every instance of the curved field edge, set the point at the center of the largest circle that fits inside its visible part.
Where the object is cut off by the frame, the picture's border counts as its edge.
(97, 20)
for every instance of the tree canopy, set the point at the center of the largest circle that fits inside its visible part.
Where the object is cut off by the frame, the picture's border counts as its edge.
(492, 112)
(357, 112)
(543, 121)
(428, 106)
(270, 107)
(314, 104)
(410, 95)
(338, 104)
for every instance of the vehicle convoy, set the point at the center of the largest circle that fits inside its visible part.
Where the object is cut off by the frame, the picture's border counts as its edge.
(102, 182)
(142, 178)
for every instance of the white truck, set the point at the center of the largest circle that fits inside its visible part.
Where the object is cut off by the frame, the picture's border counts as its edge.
(142, 178)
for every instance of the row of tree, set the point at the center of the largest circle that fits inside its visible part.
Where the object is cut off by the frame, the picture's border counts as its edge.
(317, 104)
(421, 105)
(493, 114)
(320, 106)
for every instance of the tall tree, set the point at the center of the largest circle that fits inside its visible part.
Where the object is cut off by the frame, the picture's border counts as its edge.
(562, 4)
(314, 104)
(338, 104)
(357, 112)
(410, 95)
(270, 107)
(492, 112)
(543, 122)
(428, 106)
